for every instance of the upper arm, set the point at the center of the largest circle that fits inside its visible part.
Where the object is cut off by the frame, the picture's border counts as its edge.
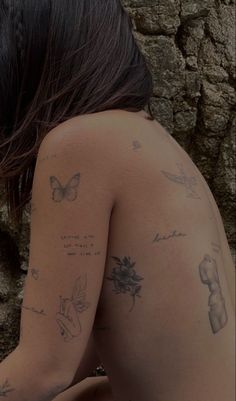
(72, 200)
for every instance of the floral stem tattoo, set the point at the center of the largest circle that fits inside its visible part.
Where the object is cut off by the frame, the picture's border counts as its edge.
(5, 388)
(70, 308)
(125, 278)
(209, 276)
(188, 182)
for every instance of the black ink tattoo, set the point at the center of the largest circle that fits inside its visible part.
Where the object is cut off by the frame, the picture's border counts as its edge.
(125, 278)
(188, 182)
(5, 388)
(215, 247)
(69, 192)
(35, 274)
(81, 245)
(136, 145)
(70, 308)
(174, 234)
(32, 309)
(54, 156)
(209, 276)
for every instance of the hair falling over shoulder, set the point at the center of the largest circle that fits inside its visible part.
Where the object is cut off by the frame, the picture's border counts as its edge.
(60, 59)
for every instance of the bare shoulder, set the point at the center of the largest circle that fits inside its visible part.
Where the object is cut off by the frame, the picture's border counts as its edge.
(98, 126)
(102, 144)
(109, 136)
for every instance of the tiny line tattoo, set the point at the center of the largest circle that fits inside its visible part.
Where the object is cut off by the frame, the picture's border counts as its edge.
(68, 192)
(136, 145)
(34, 274)
(5, 388)
(215, 247)
(125, 278)
(217, 311)
(70, 308)
(32, 309)
(188, 182)
(174, 234)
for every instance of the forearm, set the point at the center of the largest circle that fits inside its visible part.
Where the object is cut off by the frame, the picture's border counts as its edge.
(20, 379)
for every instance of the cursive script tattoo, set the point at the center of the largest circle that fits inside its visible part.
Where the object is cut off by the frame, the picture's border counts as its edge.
(125, 278)
(188, 182)
(136, 145)
(34, 274)
(32, 309)
(68, 192)
(5, 388)
(174, 234)
(70, 308)
(209, 276)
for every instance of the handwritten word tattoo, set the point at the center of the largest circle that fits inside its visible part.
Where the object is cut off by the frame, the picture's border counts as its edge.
(43, 159)
(136, 145)
(5, 388)
(81, 245)
(188, 182)
(32, 309)
(174, 234)
(209, 276)
(34, 274)
(68, 318)
(125, 278)
(68, 192)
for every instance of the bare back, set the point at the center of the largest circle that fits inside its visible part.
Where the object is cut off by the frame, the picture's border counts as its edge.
(164, 327)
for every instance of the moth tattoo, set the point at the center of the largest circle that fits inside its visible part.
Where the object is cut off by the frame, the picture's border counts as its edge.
(125, 278)
(68, 318)
(68, 192)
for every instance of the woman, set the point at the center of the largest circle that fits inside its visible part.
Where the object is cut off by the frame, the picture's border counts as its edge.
(129, 262)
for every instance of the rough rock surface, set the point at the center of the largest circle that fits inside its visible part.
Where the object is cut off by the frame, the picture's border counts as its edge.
(190, 47)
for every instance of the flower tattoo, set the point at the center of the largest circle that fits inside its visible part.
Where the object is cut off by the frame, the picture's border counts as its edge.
(125, 278)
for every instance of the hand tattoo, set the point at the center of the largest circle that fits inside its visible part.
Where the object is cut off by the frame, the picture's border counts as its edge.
(70, 308)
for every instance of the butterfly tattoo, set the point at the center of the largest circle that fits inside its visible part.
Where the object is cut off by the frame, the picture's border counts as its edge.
(68, 192)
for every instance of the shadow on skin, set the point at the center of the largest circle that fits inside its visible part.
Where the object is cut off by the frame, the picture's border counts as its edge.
(90, 389)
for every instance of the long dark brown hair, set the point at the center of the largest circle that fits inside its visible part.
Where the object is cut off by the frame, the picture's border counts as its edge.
(60, 59)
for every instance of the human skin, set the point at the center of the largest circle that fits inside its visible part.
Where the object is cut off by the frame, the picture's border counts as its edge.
(124, 246)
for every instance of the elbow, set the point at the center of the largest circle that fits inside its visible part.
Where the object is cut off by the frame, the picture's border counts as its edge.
(52, 378)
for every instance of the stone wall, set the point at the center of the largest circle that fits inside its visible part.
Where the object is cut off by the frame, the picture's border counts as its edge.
(190, 46)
